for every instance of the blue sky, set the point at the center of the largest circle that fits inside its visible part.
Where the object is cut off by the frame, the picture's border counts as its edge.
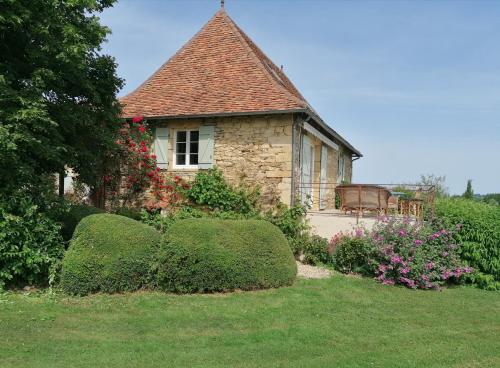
(415, 86)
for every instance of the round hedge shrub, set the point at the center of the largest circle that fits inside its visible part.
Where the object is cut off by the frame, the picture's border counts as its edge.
(209, 255)
(73, 216)
(109, 253)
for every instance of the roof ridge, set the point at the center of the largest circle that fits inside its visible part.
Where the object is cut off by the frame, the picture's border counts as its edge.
(244, 39)
(177, 53)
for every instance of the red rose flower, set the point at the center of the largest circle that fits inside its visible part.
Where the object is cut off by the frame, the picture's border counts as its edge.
(137, 119)
(142, 129)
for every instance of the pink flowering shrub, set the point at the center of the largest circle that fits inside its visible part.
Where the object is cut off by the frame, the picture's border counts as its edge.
(413, 255)
(407, 253)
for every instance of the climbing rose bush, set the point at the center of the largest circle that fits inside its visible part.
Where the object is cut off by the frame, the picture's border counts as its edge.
(403, 252)
(141, 170)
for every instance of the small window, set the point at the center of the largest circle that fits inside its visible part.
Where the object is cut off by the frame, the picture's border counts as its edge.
(186, 149)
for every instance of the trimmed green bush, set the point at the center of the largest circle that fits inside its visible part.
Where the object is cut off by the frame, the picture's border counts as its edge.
(479, 234)
(73, 216)
(316, 250)
(353, 254)
(133, 213)
(109, 253)
(209, 255)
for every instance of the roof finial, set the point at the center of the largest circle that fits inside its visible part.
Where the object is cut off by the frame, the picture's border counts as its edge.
(222, 3)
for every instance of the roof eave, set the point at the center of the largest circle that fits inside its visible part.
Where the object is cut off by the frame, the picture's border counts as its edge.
(218, 114)
(332, 132)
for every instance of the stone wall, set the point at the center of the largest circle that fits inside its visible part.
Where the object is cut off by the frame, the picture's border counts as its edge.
(254, 151)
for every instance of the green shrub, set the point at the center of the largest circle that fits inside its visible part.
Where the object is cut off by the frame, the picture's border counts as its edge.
(30, 243)
(315, 250)
(133, 213)
(211, 197)
(211, 190)
(109, 253)
(291, 221)
(353, 254)
(209, 255)
(72, 216)
(479, 231)
(163, 222)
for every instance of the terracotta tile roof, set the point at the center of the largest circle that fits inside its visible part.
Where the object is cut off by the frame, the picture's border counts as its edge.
(219, 71)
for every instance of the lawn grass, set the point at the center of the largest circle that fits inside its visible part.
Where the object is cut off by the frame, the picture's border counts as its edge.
(338, 322)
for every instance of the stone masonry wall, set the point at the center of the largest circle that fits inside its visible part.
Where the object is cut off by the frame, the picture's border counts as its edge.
(250, 150)
(257, 151)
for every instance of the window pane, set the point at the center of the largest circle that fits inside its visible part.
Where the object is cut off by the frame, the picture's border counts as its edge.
(181, 148)
(193, 159)
(193, 147)
(194, 136)
(181, 159)
(181, 136)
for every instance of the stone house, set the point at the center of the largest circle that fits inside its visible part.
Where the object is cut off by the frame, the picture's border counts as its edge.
(221, 102)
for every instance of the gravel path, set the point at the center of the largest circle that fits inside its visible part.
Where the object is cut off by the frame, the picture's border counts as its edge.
(312, 272)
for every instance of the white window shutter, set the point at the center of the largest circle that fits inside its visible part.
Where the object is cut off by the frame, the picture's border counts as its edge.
(206, 147)
(161, 147)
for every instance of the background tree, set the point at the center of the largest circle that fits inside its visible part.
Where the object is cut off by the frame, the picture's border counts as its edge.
(439, 183)
(469, 193)
(58, 103)
(491, 198)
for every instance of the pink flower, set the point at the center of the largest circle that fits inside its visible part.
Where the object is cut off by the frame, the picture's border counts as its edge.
(408, 282)
(435, 236)
(405, 270)
(446, 275)
(396, 259)
(429, 266)
(388, 282)
(382, 268)
(418, 242)
(402, 232)
(359, 233)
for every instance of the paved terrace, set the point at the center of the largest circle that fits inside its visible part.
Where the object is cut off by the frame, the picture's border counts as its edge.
(327, 223)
